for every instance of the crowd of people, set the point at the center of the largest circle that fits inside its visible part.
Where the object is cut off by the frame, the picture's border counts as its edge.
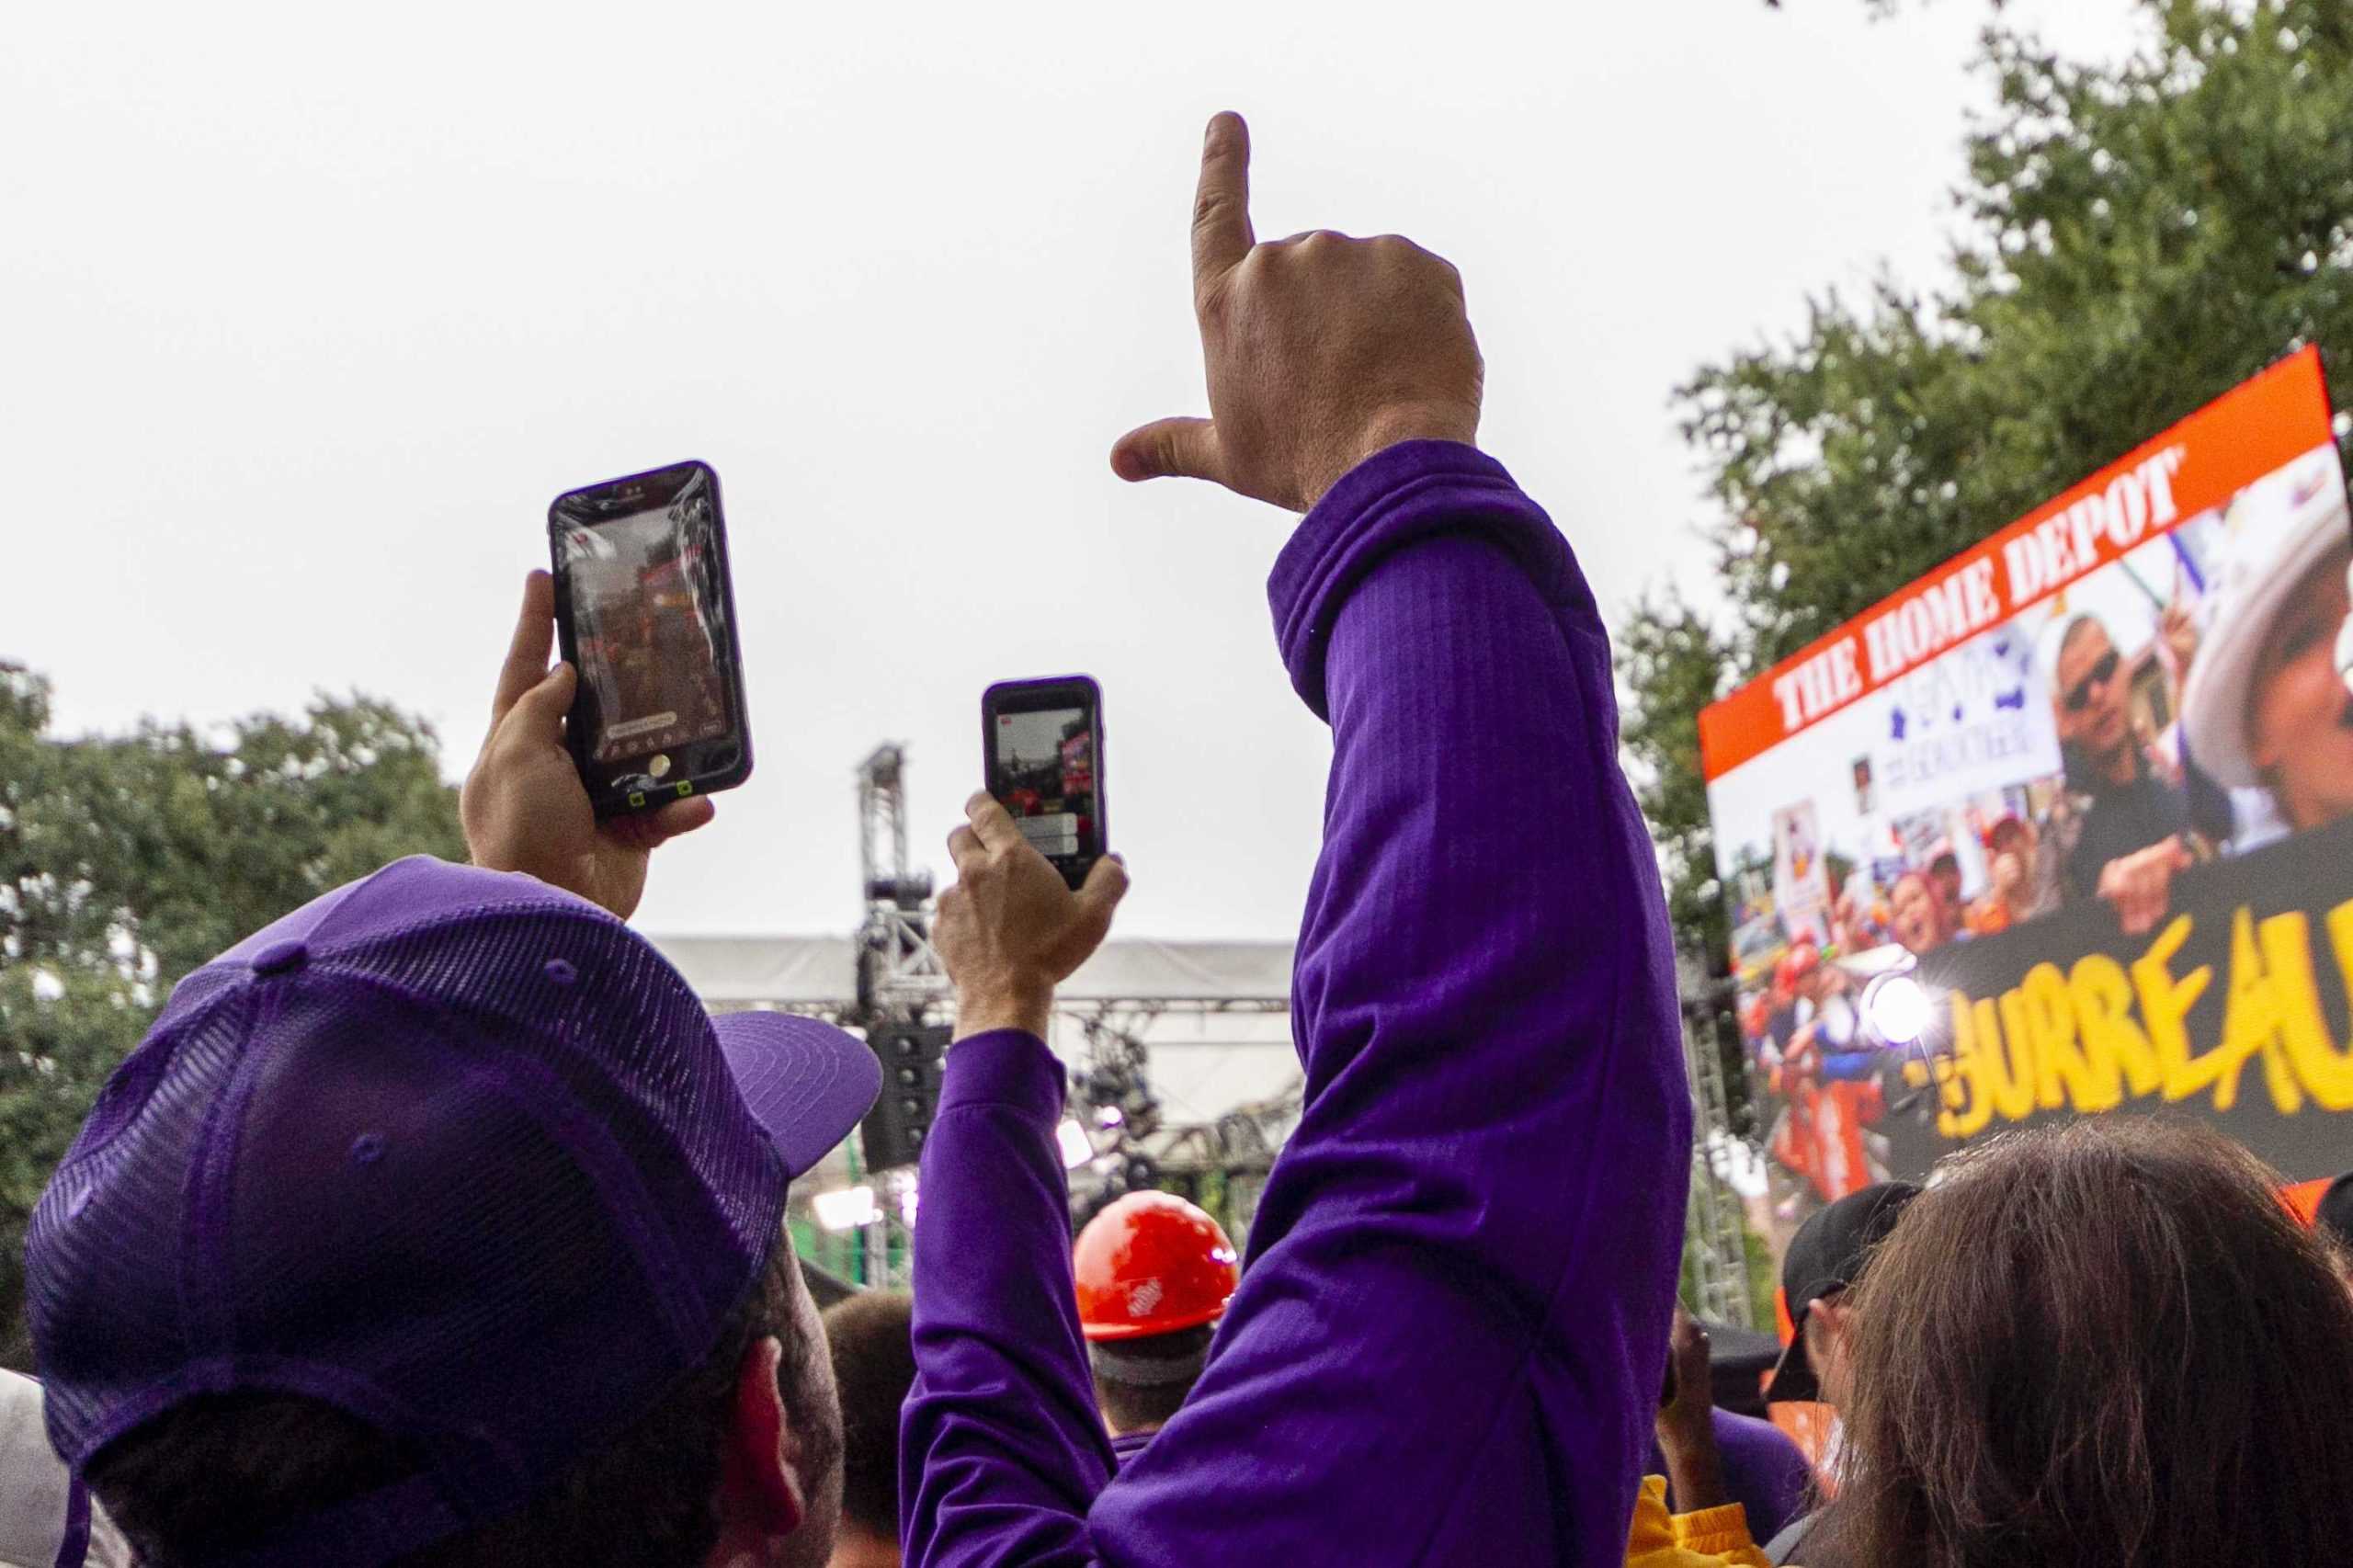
(2210, 723)
(2259, 743)
(437, 1224)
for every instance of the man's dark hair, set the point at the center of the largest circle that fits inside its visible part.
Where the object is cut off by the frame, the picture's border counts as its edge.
(1139, 1404)
(219, 1471)
(2076, 628)
(872, 1336)
(2098, 1344)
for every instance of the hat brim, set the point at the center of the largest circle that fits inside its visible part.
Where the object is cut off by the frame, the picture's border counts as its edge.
(806, 1083)
(1792, 1378)
(2215, 699)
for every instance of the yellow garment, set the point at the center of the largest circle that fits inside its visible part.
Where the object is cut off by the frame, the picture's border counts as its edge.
(1707, 1538)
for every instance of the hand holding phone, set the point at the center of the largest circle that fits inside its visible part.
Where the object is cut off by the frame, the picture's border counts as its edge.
(1009, 930)
(523, 807)
(646, 613)
(1043, 758)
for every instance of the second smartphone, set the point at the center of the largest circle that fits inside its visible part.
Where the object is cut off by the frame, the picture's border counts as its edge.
(1041, 744)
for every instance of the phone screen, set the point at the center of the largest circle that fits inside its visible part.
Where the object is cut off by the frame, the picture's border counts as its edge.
(647, 620)
(1045, 768)
(646, 630)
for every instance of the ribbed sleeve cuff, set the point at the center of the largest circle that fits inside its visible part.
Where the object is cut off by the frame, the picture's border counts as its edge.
(1004, 1067)
(1714, 1532)
(1396, 496)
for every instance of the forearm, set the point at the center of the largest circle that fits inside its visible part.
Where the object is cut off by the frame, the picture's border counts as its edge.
(1695, 1469)
(1496, 1124)
(1000, 1444)
(1484, 969)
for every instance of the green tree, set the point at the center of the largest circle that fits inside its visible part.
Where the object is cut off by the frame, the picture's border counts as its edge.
(126, 861)
(2134, 239)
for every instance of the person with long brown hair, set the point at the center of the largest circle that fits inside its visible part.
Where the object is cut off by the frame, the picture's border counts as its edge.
(2093, 1345)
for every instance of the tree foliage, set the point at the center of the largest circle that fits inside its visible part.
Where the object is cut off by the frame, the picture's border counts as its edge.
(126, 861)
(2132, 240)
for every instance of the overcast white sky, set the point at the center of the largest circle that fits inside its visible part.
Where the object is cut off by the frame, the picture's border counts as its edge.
(303, 320)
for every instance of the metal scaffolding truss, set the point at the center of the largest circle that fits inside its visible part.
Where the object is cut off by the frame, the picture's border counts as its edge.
(889, 973)
(1715, 1247)
(899, 977)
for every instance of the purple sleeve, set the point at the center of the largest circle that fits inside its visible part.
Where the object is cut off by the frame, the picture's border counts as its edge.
(1000, 1449)
(1765, 1469)
(1452, 1327)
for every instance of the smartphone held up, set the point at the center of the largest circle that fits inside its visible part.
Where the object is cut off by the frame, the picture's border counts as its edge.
(645, 613)
(1043, 758)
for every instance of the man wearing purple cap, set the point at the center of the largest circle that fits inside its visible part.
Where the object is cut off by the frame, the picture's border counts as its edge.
(438, 1223)
(1450, 1331)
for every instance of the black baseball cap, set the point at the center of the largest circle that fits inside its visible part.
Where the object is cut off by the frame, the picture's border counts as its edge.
(1825, 1256)
(2334, 1214)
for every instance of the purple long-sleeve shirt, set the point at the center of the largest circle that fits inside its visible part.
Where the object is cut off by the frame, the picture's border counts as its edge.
(1450, 1330)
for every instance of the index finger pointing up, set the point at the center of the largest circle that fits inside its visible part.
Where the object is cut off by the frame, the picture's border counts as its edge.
(1222, 235)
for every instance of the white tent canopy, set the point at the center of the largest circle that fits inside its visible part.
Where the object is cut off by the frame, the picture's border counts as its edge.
(1203, 1062)
(809, 972)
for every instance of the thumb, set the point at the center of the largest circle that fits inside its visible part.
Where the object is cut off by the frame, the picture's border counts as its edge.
(540, 712)
(682, 816)
(651, 830)
(1104, 886)
(1169, 448)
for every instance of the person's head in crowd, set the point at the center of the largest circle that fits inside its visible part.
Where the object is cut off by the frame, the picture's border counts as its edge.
(1798, 973)
(1918, 913)
(1825, 1257)
(1154, 1274)
(2089, 686)
(2104, 1343)
(2012, 837)
(872, 1336)
(2264, 704)
(1944, 871)
(2010, 849)
(438, 1223)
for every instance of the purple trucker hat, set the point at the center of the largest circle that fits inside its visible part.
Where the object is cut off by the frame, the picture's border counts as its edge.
(453, 1150)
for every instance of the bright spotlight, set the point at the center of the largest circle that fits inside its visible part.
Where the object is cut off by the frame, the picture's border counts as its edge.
(1111, 1115)
(1076, 1147)
(847, 1209)
(1897, 1009)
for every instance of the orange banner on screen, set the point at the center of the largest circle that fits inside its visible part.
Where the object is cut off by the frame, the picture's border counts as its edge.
(2196, 465)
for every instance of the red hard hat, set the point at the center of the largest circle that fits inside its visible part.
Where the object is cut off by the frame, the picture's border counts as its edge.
(1152, 1263)
(1796, 964)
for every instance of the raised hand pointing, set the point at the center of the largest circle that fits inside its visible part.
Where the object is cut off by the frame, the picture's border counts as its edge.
(1320, 349)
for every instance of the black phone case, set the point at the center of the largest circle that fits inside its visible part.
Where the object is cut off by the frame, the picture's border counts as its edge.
(725, 774)
(1071, 690)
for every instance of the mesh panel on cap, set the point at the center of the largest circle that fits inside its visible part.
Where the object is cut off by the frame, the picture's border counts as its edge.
(105, 1306)
(628, 1034)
